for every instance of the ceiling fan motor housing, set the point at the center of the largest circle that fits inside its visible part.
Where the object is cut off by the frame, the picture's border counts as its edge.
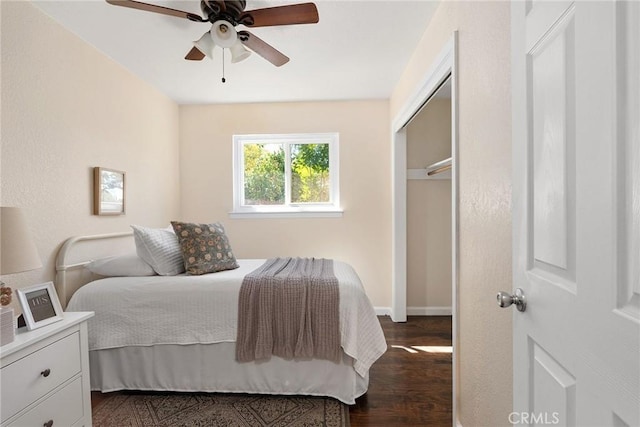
(229, 10)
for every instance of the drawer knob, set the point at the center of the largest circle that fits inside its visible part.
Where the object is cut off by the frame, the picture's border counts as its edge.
(45, 374)
(48, 423)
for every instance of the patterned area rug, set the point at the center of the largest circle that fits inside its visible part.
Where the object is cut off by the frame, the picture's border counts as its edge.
(218, 409)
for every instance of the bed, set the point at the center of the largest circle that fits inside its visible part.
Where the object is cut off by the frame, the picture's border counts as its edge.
(177, 333)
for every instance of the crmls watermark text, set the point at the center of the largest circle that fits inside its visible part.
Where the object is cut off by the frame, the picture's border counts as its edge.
(539, 418)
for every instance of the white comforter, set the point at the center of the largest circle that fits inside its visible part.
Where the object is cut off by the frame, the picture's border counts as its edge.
(144, 311)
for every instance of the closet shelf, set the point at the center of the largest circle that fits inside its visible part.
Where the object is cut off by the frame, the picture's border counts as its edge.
(438, 170)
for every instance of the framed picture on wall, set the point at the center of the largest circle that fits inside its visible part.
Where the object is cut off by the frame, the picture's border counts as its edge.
(108, 191)
(40, 305)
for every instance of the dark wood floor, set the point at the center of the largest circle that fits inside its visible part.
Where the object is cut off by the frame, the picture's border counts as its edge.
(405, 388)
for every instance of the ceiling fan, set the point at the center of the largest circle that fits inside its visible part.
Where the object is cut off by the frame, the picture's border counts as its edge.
(224, 16)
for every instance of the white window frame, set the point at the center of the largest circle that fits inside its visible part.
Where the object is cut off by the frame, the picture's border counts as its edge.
(329, 209)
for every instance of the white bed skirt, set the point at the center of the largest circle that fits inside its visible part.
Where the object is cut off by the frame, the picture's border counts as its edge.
(212, 368)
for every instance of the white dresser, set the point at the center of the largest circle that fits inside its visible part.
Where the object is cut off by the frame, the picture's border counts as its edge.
(44, 375)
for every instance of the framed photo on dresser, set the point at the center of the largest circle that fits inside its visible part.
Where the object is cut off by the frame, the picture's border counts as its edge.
(40, 305)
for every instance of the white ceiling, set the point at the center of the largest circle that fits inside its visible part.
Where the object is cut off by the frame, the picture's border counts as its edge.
(358, 50)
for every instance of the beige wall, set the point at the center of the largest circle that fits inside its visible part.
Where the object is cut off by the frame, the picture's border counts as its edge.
(361, 237)
(65, 109)
(429, 210)
(484, 349)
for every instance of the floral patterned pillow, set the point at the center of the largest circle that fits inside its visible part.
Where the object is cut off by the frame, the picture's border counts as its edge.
(205, 247)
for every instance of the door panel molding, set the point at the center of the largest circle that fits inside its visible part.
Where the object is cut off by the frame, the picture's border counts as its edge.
(558, 402)
(551, 104)
(628, 94)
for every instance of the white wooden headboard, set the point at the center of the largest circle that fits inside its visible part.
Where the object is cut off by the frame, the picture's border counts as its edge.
(78, 251)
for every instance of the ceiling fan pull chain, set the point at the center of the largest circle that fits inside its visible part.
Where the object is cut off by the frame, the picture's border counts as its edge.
(223, 79)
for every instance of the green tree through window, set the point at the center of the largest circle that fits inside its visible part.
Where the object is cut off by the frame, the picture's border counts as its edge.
(286, 173)
(310, 173)
(264, 174)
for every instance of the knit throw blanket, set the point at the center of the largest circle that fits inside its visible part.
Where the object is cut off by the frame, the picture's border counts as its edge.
(289, 307)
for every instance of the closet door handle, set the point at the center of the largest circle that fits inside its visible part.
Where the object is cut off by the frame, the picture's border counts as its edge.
(45, 374)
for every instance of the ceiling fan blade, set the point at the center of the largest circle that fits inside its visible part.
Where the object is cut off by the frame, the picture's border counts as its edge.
(194, 55)
(263, 49)
(157, 9)
(304, 13)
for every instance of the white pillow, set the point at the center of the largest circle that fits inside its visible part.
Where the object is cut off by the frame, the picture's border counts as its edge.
(160, 248)
(122, 265)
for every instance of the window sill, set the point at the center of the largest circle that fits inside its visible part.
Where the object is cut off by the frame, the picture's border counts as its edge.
(324, 213)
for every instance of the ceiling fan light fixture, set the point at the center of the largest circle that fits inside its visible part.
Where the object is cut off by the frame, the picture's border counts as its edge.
(205, 44)
(223, 34)
(238, 52)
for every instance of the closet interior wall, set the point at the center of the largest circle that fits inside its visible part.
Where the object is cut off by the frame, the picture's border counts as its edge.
(429, 211)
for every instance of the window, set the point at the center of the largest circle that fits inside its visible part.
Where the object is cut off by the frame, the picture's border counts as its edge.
(286, 175)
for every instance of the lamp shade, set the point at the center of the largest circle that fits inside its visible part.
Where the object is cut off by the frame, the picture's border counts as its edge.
(223, 34)
(238, 52)
(205, 44)
(17, 249)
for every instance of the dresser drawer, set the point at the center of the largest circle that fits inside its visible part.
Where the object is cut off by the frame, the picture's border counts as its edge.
(24, 381)
(64, 408)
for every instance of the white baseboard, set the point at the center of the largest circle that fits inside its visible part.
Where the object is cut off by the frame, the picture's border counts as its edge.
(429, 311)
(383, 311)
(417, 311)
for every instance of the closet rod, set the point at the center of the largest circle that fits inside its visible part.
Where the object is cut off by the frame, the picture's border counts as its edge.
(438, 170)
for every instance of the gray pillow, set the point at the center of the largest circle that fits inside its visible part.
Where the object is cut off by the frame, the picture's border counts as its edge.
(205, 247)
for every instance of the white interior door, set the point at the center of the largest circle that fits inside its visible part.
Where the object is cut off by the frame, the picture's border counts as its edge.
(576, 212)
